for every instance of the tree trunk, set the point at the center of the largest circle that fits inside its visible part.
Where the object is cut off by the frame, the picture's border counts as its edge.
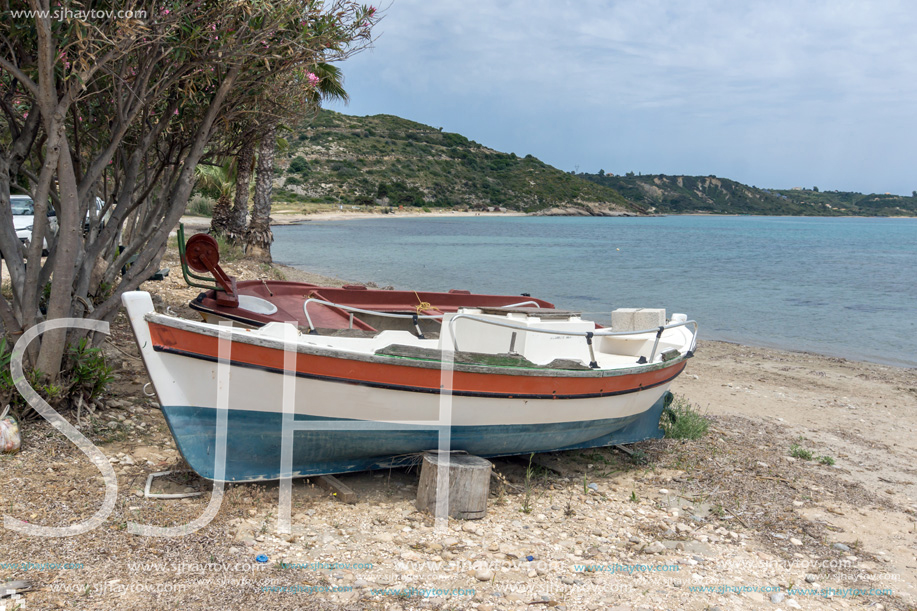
(258, 238)
(222, 215)
(236, 230)
(69, 247)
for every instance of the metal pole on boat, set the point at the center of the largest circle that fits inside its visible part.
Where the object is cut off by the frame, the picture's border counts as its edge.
(656, 343)
(592, 361)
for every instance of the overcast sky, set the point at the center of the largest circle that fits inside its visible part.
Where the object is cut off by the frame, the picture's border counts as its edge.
(770, 93)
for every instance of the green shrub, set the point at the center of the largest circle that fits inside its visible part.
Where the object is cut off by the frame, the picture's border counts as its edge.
(450, 139)
(229, 252)
(285, 195)
(683, 420)
(797, 451)
(86, 375)
(344, 168)
(89, 373)
(299, 165)
(200, 206)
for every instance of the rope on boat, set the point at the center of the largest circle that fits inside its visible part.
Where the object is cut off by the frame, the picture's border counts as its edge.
(415, 317)
(424, 306)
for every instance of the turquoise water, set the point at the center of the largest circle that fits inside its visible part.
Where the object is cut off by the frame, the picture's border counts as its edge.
(838, 286)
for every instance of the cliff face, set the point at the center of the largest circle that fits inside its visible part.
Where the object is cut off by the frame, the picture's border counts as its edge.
(583, 210)
(709, 194)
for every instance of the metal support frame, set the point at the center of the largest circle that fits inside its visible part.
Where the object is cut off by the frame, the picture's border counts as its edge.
(589, 335)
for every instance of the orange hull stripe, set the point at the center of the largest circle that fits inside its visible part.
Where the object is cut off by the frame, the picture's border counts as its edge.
(168, 338)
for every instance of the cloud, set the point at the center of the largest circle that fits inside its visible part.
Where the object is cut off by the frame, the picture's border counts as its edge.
(717, 75)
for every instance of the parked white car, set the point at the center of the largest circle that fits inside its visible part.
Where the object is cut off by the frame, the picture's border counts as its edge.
(95, 212)
(24, 219)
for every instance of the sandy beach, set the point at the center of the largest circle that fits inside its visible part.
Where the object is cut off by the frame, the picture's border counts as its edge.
(292, 218)
(731, 521)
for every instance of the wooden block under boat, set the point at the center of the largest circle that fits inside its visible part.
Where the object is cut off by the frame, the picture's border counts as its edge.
(341, 491)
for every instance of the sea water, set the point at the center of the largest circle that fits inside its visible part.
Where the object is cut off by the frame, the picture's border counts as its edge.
(837, 286)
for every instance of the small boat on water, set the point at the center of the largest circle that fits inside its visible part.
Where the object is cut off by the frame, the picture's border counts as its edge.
(495, 381)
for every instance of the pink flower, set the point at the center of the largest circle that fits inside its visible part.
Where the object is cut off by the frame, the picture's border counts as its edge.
(176, 112)
(313, 79)
(25, 115)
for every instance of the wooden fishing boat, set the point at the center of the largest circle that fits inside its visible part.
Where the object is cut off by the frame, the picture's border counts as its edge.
(279, 401)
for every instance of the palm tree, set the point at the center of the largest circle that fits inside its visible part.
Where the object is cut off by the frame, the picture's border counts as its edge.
(218, 179)
(258, 237)
(244, 165)
(330, 86)
(327, 81)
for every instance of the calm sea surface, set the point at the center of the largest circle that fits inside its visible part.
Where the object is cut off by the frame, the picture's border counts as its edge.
(845, 287)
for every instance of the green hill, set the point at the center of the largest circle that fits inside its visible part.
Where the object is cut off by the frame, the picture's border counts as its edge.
(663, 194)
(383, 159)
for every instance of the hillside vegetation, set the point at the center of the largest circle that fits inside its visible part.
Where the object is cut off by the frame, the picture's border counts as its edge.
(710, 194)
(383, 160)
(387, 160)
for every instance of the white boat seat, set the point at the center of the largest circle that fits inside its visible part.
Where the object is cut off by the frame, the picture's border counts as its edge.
(257, 305)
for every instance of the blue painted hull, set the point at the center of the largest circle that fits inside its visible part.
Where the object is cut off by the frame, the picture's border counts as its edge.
(254, 441)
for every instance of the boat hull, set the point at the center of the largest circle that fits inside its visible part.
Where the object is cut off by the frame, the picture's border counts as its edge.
(256, 438)
(383, 426)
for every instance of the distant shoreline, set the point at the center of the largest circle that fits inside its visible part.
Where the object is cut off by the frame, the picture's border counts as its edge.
(278, 219)
(297, 218)
(290, 219)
